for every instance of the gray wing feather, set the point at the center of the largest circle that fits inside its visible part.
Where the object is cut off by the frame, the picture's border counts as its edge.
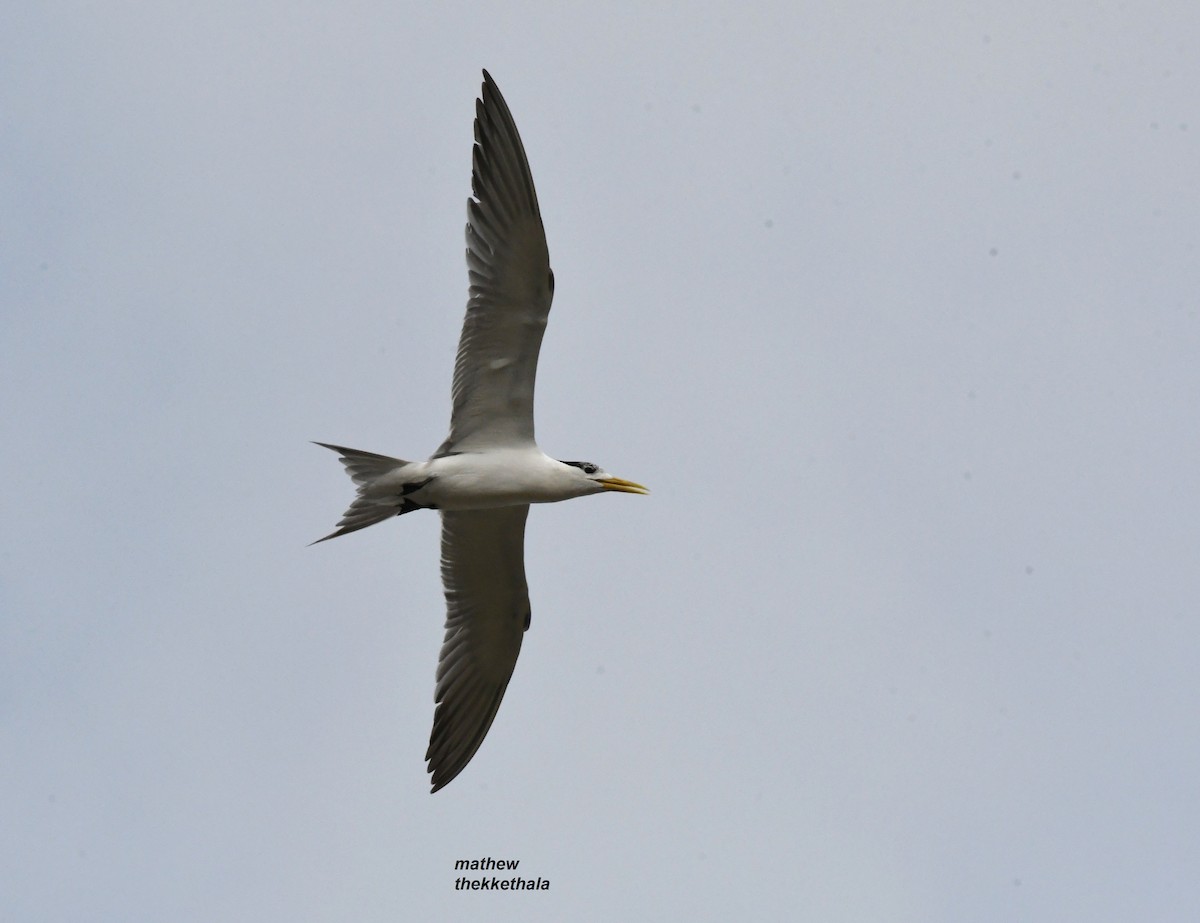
(511, 288)
(487, 613)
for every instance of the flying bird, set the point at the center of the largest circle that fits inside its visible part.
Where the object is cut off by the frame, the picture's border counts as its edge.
(489, 469)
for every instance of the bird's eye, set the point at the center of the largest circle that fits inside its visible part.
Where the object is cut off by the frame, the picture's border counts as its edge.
(589, 468)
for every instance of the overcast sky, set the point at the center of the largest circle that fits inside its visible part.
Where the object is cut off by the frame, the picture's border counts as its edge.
(895, 308)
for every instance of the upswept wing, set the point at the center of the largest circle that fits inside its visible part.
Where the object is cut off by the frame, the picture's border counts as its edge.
(487, 613)
(511, 288)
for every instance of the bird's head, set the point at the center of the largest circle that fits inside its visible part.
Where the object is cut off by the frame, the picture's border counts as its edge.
(597, 479)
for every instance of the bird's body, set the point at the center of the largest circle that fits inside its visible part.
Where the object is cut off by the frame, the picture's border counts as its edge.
(476, 480)
(489, 469)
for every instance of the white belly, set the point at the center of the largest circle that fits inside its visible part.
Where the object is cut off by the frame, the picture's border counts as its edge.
(507, 477)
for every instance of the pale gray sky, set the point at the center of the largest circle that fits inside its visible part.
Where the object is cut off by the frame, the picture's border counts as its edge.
(896, 308)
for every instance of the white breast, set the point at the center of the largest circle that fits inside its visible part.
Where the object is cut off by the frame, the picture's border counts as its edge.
(500, 477)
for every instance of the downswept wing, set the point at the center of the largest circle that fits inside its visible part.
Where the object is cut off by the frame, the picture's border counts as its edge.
(511, 288)
(487, 613)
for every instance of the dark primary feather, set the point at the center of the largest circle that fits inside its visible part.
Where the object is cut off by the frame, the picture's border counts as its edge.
(510, 292)
(487, 612)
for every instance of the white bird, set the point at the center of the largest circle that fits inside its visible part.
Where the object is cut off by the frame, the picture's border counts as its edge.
(489, 469)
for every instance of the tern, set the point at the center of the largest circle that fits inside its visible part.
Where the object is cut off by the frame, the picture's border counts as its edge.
(489, 469)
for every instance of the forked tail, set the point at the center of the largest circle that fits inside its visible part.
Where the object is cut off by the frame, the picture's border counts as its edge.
(382, 492)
